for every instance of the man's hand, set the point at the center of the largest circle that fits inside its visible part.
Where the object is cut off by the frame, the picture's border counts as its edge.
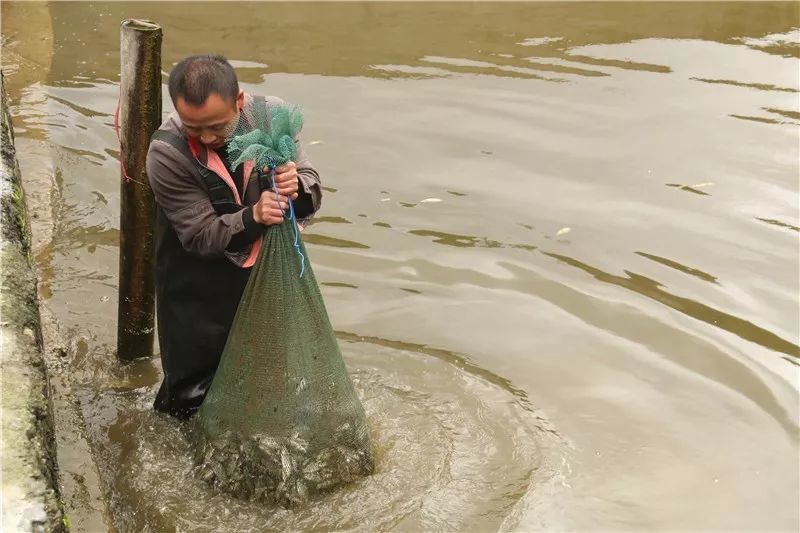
(269, 210)
(286, 180)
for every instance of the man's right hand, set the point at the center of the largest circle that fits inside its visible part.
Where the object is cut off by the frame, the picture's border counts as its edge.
(269, 210)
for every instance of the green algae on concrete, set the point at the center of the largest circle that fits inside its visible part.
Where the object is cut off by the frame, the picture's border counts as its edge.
(30, 499)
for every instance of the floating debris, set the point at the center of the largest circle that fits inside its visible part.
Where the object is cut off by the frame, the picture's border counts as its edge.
(563, 231)
(430, 200)
(312, 143)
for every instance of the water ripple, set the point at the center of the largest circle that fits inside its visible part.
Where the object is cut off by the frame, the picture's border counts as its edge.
(454, 447)
(652, 289)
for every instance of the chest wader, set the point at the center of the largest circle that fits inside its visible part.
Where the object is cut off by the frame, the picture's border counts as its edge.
(196, 300)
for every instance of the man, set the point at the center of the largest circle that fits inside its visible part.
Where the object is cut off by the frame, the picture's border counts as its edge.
(210, 221)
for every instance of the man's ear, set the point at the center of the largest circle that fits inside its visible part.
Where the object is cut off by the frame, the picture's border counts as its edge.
(240, 100)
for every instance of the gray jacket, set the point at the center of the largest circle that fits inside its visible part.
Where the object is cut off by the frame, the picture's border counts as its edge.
(181, 194)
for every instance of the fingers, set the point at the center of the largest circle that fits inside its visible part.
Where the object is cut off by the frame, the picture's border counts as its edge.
(286, 173)
(291, 165)
(286, 178)
(289, 191)
(268, 197)
(274, 216)
(276, 207)
(269, 210)
(287, 184)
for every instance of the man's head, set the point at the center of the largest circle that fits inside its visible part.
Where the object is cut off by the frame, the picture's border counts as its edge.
(206, 95)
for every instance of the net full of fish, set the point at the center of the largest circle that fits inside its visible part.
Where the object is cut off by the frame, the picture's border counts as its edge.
(281, 421)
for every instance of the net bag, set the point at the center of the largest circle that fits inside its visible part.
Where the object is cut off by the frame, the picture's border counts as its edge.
(281, 420)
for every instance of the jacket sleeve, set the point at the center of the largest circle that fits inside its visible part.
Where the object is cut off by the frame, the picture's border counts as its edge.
(187, 205)
(310, 194)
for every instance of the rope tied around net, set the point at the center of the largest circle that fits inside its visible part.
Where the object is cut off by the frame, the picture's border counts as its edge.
(292, 218)
(267, 137)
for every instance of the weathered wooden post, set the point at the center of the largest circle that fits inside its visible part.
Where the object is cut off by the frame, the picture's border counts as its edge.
(139, 117)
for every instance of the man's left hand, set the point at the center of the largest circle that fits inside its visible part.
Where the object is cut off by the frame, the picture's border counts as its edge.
(286, 180)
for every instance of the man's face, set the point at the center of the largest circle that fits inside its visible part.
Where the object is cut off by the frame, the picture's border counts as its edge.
(212, 121)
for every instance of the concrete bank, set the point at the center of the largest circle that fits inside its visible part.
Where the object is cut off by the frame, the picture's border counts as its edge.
(30, 497)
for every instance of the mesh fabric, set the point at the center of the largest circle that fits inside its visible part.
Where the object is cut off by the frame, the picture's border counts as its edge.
(281, 420)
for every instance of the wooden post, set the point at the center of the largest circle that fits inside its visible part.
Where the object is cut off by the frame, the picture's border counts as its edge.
(139, 117)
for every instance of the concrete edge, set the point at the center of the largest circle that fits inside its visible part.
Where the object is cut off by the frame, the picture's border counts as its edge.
(29, 472)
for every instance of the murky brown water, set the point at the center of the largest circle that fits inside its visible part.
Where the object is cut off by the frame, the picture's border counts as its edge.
(637, 372)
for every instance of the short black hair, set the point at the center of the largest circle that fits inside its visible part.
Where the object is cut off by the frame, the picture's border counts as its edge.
(196, 77)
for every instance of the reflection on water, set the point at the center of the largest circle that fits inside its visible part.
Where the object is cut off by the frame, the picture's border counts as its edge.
(465, 241)
(349, 39)
(677, 266)
(778, 223)
(762, 86)
(456, 240)
(689, 188)
(639, 372)
(765, 120)
(337, 284)
(324, 240)
(330, 220)
(652, 289)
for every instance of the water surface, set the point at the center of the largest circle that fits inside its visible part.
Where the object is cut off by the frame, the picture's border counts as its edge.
(595, 327)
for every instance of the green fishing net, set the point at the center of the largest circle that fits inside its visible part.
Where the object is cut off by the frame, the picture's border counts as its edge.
(281, 420)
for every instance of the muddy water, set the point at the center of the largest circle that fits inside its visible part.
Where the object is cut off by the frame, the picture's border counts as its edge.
(559, 245)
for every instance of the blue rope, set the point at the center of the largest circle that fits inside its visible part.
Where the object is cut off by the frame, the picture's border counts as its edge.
(292, 218)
